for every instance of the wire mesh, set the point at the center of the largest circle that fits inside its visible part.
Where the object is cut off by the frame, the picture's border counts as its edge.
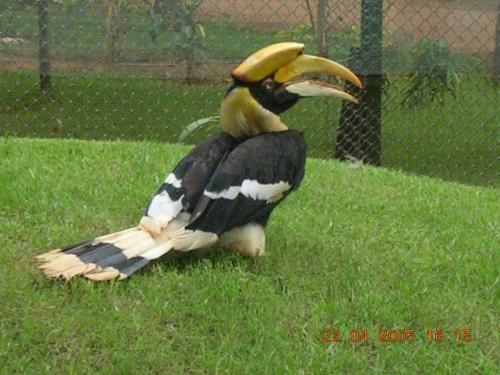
(145, 69)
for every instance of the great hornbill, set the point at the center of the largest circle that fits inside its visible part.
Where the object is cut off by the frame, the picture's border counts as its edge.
(226, 188)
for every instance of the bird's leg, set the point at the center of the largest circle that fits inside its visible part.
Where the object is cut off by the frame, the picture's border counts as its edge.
(248, 240)
(276, 198)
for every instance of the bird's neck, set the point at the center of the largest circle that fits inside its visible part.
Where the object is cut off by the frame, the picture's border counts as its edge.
(242, 116)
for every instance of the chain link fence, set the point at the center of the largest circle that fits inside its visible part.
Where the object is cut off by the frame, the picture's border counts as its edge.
(145, 69)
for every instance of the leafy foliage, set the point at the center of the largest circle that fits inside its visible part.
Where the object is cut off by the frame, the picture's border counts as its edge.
(341, 43)
(164, 16)
(434, 74)
(301, 33)
(191, 128)
(66, 3)
(338, 43)
(189, 36)
(117, 26)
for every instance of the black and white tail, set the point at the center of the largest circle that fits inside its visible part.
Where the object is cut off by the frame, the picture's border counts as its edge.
(114, 256)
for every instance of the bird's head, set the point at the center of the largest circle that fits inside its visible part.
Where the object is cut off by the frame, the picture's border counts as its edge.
(268, 83)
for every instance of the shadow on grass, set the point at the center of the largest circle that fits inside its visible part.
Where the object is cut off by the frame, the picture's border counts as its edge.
(180, 262)
(218, 257)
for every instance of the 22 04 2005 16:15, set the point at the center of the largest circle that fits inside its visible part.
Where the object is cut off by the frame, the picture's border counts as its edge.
(393, 336)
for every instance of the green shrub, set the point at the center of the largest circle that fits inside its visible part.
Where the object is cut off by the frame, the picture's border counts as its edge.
(397, 51)
(189, 40)
(339, 43)
(301, 33)
(435, 73)
(165, 16)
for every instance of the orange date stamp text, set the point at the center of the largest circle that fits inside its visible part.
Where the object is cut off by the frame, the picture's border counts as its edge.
(397, 336)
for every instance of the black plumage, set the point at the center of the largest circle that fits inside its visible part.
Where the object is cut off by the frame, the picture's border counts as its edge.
(196, 168)
(270, 158)
(222, 163)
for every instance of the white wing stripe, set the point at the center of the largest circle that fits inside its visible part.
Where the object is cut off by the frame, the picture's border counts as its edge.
(172, 180)
(230, 193)
(163, 208)
(251, 189)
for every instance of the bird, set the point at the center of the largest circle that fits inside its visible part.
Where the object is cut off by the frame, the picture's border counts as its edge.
(225, 189)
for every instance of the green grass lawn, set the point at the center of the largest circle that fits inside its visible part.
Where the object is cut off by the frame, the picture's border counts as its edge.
(352, 249)
(454, 141)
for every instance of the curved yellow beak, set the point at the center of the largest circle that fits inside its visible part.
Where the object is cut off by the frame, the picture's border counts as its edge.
(313, 64)
(285, 62)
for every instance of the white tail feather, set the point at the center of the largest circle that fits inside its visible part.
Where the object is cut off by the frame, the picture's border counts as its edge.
(111, 238)
(129, 250)
(158, 251)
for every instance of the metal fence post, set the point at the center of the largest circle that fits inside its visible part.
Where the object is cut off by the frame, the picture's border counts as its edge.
(321, 27)
(359, 133)
(348, 136)
(372, 18)
(496, 57)
(43, 51)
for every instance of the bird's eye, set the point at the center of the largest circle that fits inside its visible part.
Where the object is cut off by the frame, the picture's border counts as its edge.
(268, 84)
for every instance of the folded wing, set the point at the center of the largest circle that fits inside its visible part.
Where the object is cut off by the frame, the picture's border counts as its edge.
(185, 185)
(250, 182)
